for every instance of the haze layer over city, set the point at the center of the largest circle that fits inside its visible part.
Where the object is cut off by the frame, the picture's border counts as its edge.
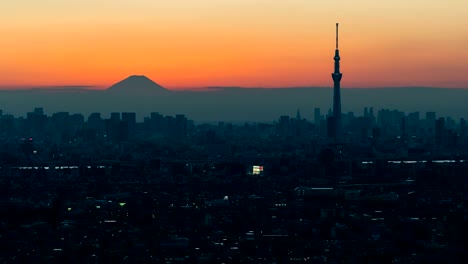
(141, 95)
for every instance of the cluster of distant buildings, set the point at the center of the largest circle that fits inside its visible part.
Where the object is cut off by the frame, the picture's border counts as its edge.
(63, 126)
(384, 133)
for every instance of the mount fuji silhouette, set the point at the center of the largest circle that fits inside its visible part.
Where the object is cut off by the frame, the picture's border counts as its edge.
(137, 85)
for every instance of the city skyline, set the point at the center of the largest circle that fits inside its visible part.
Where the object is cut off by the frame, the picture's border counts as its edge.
(234, 43)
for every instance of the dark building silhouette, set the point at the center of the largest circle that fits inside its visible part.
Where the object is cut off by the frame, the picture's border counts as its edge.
(317, 117)
(430, 123)
(403, 128)
(284, 124)
(431, 117)
(130, 119)
(156, 122)
(336, 75)
(331, 127)
(37, 121)
(95, 121)
(439, 131)
(180, 129)
(115, 116)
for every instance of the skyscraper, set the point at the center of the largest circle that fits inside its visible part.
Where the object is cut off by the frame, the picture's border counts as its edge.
(336, 75)
(317, 117)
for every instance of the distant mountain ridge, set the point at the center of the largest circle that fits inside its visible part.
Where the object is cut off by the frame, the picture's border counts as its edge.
(137, 84)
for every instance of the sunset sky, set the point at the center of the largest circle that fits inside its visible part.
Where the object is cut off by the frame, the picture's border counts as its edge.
(267, 43)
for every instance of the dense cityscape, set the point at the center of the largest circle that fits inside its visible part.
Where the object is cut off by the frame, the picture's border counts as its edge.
(381, 186)
(169, 190)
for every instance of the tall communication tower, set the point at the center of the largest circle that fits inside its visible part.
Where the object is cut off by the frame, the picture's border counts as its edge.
(336, 75)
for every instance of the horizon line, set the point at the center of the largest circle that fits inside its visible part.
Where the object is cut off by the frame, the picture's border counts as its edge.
(207, 88)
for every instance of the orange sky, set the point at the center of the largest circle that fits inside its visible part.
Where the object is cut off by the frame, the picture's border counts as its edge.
(198, 43)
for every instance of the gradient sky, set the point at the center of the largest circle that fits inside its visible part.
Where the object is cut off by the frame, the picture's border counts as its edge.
(197, 43)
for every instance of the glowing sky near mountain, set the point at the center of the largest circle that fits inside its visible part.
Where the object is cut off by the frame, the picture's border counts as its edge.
(197, 43)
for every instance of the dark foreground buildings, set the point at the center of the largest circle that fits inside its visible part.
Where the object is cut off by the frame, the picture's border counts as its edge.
(167, 190)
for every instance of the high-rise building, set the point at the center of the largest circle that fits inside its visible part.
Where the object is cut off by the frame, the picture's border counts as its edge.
(331, 127)
(130, 118)
(317, 117)
(95, 122)
(39, 111)
(115, 116)
(157, 122)
(430, 117)
(180, 128)
(439, 131)
(336, 75)
(371, 116)
(284, 123)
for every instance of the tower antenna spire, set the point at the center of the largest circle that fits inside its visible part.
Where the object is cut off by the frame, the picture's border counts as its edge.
(336, 35)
